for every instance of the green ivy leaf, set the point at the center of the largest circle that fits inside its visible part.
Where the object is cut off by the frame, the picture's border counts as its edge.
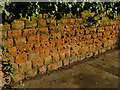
(14, 70)
(5, 50)
(110, 14)
(56, 8)
(29, 18)
(11, 60)
(23, 85)
(11, 75)
(7, 13)
(3, 53)
(7, 55)
(110, 9)
(78, 9)
(99, 21)
(11, 70)
(1, 26)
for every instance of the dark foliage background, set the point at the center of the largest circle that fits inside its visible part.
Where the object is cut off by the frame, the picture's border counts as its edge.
(28, 9)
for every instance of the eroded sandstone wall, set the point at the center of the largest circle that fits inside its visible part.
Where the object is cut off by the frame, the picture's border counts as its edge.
(40, 45)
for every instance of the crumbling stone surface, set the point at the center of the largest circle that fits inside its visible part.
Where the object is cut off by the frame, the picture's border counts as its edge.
(43, 46)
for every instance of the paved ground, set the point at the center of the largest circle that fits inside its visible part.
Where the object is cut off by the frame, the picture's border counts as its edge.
(100, 72)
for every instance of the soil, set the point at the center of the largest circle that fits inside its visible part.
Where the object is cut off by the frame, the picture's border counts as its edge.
(96, 72)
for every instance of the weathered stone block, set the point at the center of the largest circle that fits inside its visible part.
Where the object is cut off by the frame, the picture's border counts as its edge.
(54, 66)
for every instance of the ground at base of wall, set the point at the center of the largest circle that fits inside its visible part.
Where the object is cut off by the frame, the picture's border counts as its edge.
(98, 72)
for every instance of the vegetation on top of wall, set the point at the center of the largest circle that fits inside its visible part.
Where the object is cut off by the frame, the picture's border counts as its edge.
(12, 10)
